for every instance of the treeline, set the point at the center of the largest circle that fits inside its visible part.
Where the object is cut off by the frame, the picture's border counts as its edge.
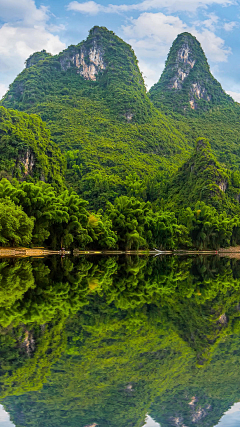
(35, 214)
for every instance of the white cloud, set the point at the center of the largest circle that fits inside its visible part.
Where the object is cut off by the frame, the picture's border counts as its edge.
(92, 7)
(211, 22)
(236, 97)
(161, 28)
(156, 32)
(228, 26)
(212, 45)
(17, 43)
(24, 12)
(25, 31)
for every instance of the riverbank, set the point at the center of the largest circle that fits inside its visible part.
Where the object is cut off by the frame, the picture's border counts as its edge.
(29, 252)
(233, 252)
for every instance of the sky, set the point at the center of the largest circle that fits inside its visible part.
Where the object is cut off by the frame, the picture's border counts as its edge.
(149, 26)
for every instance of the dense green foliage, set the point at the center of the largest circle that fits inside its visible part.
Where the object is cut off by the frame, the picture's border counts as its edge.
(175, 88)
(122, 153)
(52, 218)
(107, 128)
(146, 336)
(103, 341)
(36, 214)
(15, 226)
(215, 116)
(203, 178)
(26, 149)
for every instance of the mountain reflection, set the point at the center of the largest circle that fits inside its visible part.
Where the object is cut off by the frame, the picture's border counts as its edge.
(105, 341)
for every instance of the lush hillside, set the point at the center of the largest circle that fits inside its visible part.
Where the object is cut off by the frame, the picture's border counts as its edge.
(93, 99)
(27, 151)
(198, 106)
(186, 83)
(203, 178)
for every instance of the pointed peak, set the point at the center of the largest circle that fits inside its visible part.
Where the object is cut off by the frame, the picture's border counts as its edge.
(186, 83)
(186, 37)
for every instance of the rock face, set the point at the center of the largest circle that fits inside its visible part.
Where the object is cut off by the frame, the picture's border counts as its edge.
(184, 63)
(27, 161)
(88, 61)
(103, 67)
(186, 82)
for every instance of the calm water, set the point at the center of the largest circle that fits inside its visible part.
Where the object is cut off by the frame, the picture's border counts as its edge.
(120, 342)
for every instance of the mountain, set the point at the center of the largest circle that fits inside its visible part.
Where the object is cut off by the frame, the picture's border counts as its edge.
(189, 95)
(203, 178)
(117, 139)
(186, 83)
(93, 99)
(103, 66)
(26, 149)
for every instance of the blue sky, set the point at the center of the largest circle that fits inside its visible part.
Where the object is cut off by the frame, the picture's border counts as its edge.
(150, 26)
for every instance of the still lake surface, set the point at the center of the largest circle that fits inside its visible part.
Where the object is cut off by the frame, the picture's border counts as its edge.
(120, 342)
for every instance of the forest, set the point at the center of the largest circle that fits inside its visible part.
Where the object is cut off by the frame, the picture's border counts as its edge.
(101, 163)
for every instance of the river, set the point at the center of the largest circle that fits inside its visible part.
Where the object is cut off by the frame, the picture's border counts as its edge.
(120, 341)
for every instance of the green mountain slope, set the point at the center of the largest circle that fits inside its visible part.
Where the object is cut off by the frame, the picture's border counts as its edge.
(186, 83)
(203, 178)
(26, 149)
(93, 99)
(189, 94)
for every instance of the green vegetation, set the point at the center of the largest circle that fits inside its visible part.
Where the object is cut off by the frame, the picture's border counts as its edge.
(203, 178)
(121, 152)
(51, 218)
(107, 128)
(36, 214)
(103, 341)
(186, 78)
(212, 113)
(26, 149)
(142, 336)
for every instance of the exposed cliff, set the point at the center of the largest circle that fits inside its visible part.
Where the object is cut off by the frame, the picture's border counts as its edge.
(186, 83)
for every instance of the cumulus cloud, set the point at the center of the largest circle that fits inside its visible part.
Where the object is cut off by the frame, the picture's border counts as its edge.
(228, 26)
(156, 32)
(210, 22)
(25, 31)
(24, 12)
(91, 7)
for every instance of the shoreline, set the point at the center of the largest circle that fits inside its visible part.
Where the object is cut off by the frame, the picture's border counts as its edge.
(8, 252)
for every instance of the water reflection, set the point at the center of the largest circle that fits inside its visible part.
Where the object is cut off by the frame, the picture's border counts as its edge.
(231, 418)
(4, 418)
(105, 341)
(150, 422)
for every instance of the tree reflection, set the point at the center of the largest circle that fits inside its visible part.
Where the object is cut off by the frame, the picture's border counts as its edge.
(98, 340)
